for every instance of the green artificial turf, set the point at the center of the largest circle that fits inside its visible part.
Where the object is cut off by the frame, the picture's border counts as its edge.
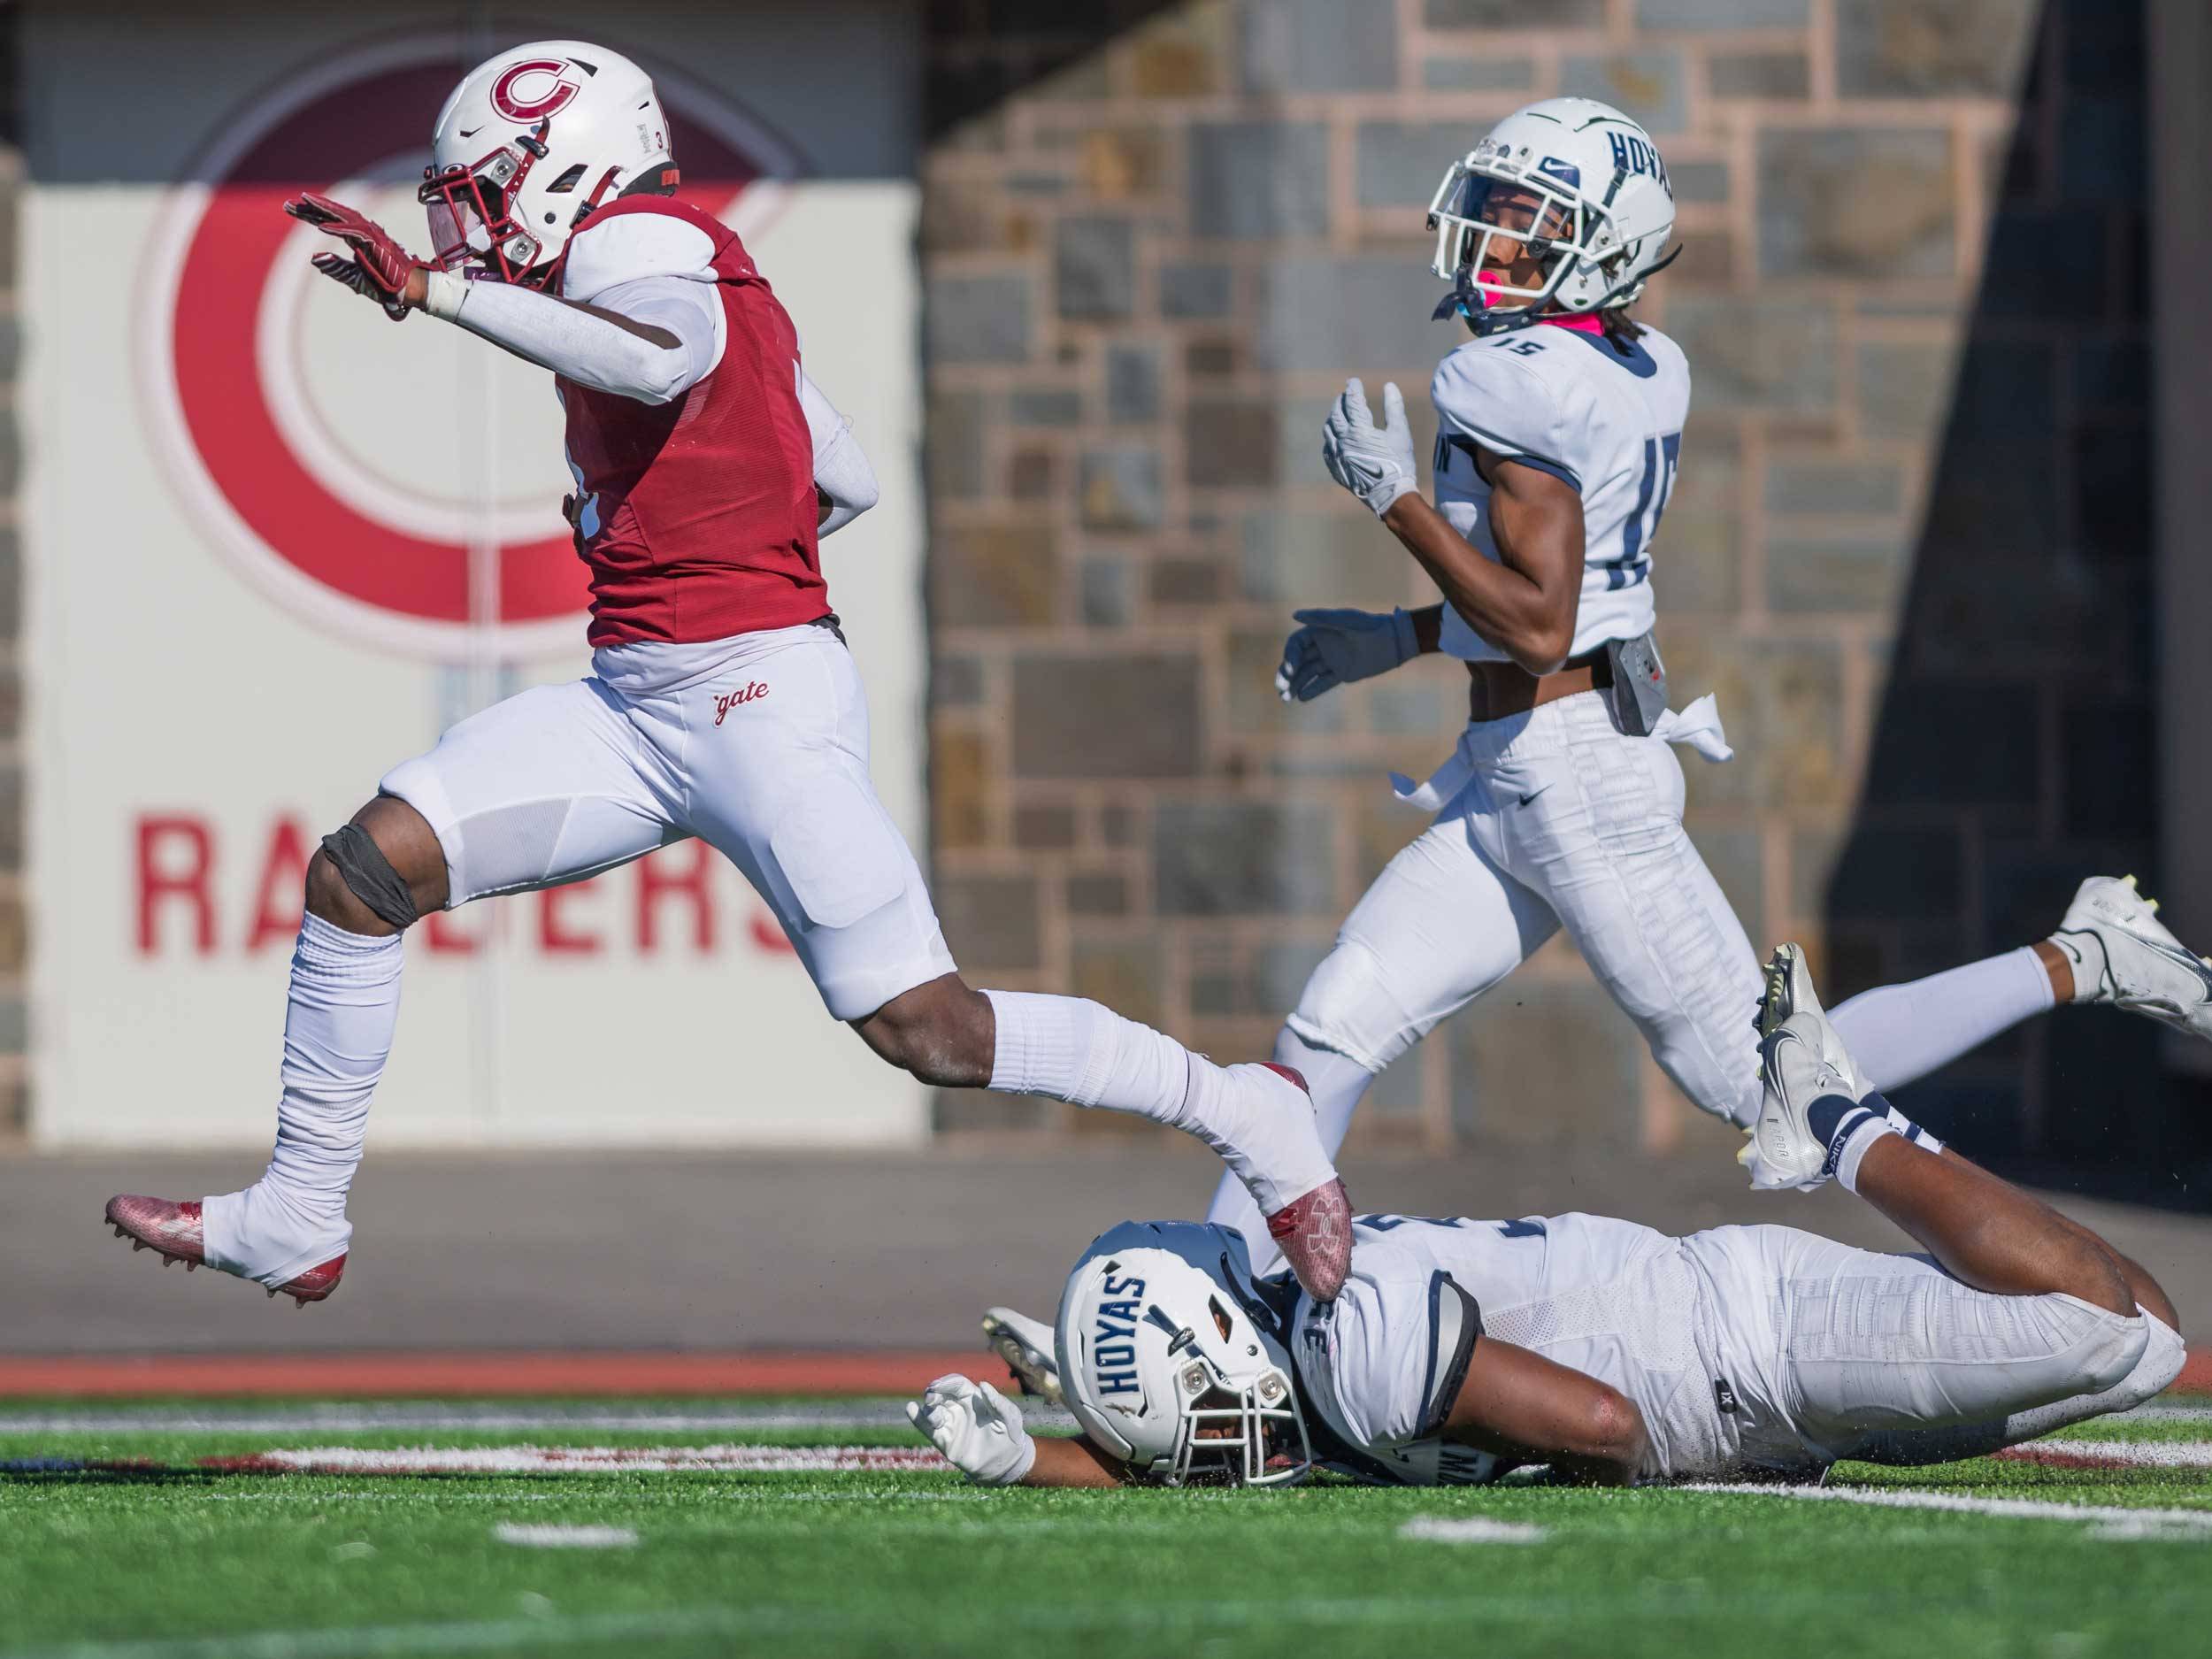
(177, 1559)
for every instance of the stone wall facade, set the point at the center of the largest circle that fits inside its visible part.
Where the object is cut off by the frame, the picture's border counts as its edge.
(1153, 247)
(2015, 747)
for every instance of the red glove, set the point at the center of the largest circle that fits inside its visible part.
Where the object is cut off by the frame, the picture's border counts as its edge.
(379, 267)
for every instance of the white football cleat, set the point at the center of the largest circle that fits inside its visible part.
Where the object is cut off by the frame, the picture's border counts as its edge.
(1789, 982)
(1802, 1062)
(2123, 956)
(1027, 1345)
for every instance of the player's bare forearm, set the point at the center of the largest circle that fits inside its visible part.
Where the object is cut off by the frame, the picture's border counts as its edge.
(1525, 603)
(1076, 1461)
(1518, 1405)
(2147, 1291)
(1428, 629)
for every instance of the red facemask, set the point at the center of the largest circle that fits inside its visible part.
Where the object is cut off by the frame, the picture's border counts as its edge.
(469, 221)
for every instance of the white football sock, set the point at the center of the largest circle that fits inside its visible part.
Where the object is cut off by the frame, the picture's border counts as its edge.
(1853, 1151)
(1900, 1032)
(1851, 1130)
(1337, 1082)
(338, 1029)
(1081, 1052)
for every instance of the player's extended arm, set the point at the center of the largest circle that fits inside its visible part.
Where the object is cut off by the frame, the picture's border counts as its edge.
(980, 1432)
(654, 347)
(1074, 1461)
(1519, 1405)
(654, 350)
(1526, 602)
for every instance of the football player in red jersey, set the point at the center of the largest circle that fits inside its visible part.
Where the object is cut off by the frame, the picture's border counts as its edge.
(722, 701)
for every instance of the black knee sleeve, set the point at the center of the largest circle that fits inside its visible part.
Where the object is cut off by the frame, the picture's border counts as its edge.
(361, 864)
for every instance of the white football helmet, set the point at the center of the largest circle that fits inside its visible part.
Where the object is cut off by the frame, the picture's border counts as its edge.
(1581, 185)
(531, 142)
(1171, 1360)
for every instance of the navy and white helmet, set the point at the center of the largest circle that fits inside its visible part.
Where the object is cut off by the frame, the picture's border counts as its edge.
(1170, 1359)
(1575, 182)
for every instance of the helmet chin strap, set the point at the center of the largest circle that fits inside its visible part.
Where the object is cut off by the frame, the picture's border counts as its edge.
(1471, 298)
(1634, 284)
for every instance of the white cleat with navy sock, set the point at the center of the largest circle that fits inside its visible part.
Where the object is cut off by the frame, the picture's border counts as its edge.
(2123, 956)
(1817, 1115)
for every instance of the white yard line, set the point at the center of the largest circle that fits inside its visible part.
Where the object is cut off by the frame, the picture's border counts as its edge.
(558, 1537)
(581, 1460)
(859, 1414)
(2107, 1520)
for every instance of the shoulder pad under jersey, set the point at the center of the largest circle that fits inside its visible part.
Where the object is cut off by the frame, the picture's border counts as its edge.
(1506, 393)
(614, 247)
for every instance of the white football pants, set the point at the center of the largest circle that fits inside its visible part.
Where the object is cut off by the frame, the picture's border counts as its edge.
(1563, 822)
(1823, 1346)
(757, 744)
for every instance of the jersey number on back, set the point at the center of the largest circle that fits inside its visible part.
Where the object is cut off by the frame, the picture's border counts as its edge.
(1660, 457)
(1527, 1227)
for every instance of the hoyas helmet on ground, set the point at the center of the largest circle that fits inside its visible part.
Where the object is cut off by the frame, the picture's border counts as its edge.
(531, 142)
(1578, 184)
(1170, 1360)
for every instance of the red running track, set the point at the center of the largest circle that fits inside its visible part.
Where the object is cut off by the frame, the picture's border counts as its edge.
(358, 1376)
(450, 1375)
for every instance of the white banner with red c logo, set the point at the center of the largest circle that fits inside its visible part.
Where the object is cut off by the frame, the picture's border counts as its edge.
(276, 542)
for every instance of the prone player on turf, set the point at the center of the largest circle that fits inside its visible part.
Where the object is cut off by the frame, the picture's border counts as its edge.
(1461, 1349)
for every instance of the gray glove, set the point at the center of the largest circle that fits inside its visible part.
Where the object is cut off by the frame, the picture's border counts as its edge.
(1334, 648)
(1375, 463)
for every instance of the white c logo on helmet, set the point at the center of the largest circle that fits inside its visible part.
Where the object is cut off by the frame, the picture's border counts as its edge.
(517, 107)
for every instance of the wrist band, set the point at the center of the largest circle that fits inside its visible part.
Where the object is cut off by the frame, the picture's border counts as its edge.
(1409, 642)
(442, 292)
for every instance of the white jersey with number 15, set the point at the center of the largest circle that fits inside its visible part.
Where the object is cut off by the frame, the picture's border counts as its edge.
(1605, 419)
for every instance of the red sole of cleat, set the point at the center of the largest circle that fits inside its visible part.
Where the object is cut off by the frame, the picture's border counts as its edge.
(315, 1284)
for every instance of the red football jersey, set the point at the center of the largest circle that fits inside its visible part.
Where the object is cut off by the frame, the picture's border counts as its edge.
(700, 513)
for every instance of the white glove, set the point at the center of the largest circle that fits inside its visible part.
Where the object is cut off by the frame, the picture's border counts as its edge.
(1334, 648)
(1374, 463)
(978, 1429)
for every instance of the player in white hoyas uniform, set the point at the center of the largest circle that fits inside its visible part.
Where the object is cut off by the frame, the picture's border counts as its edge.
(1460, 1349)
(722, 700)
(1559, 437)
